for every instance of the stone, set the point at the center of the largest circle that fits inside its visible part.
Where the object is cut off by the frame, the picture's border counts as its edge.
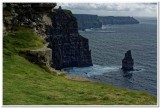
(127, 62)
(39, 56)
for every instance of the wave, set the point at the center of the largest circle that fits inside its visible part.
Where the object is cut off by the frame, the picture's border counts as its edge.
(91, 70)
(100, 31)
(96, 70)
(99, 70)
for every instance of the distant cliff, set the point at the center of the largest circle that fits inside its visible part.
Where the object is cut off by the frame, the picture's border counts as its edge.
(86, 21)
(117, 20)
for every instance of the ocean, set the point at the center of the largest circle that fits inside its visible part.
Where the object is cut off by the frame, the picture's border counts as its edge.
(108, 46)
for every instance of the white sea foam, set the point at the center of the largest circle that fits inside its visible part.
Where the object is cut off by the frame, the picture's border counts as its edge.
(97, 70)
(92, 70)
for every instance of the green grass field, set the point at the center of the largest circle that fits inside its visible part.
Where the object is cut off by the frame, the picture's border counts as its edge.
(25, 83)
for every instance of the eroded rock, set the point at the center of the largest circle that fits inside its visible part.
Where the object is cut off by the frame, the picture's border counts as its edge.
(41, 56)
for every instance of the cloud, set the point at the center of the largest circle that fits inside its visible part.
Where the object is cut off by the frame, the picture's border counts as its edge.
(104, 8)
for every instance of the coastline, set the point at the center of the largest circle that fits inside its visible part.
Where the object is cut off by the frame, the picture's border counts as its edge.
(84, 79)
(29, 79)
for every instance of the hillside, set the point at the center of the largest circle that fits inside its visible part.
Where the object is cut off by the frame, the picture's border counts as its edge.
(25, 83)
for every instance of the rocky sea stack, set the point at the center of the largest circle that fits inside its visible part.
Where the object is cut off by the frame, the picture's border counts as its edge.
(127, 62)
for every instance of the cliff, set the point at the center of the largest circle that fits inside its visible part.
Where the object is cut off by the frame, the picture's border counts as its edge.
(57, 26)
(69, 49)
(117, 20)
(86, 21)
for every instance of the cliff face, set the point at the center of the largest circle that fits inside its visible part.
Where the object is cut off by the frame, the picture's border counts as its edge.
(88, 21)
(69, 49)
(117, 20)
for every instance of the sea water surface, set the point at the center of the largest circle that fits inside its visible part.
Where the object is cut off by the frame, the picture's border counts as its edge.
(108, 46)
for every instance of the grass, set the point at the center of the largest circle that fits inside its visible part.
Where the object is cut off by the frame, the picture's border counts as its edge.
(25, 83)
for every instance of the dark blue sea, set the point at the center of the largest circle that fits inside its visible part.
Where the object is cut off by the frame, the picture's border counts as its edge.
(108, 46)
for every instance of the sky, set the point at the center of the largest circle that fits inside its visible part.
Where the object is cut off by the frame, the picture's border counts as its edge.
(113, 9)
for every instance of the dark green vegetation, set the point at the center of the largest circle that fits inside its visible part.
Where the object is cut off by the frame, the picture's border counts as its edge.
(25, 83)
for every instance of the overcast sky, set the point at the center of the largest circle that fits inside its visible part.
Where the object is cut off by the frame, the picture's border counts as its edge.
(113, 9)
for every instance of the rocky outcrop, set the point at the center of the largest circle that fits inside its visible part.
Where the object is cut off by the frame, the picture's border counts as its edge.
(27, 15)
(117, 20)
(86, 21)
(69, 49)
(127, 62)
(42, 56)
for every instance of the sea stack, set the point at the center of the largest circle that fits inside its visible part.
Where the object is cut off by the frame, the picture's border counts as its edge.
(127, 62)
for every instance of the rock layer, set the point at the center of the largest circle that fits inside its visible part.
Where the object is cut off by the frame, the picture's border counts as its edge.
(127, 62)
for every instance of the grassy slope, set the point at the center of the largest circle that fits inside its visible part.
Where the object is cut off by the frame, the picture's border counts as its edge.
(25, 83)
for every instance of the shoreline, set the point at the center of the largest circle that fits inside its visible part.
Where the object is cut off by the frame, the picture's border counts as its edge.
(84, 79)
